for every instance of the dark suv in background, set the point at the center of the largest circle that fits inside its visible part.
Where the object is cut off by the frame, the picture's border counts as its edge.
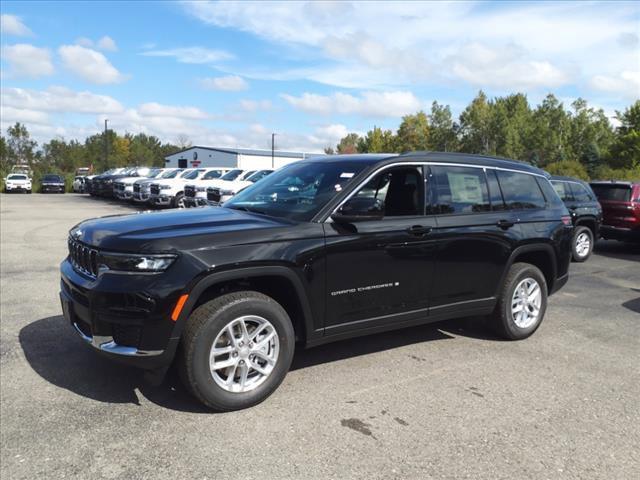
(621, 209)
(586, 214)
(52, 183)
(318, 251)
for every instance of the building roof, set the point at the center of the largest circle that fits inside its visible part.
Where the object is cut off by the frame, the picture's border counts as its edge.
(248, 151)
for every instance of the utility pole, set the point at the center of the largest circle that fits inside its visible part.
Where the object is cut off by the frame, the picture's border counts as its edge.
(273, 148)
(106, 146)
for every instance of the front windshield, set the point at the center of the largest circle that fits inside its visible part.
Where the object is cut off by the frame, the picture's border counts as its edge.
(171, 174)
(154, 173)
(297, 191)
(211, 174)
(51, 178)
(17, 177)
(232, 175)
(258, 175)
(192, 174)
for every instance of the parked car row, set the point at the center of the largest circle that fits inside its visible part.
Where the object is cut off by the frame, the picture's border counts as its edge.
(172, 187)
(22, 182)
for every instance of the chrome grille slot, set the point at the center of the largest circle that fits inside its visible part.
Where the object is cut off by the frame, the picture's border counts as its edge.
(155, 189)
(213, 194)
(83, 258)
(136, 188)
(190, 191)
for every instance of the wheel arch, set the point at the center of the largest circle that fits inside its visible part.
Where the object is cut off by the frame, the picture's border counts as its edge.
(278, 282)
(542, 256)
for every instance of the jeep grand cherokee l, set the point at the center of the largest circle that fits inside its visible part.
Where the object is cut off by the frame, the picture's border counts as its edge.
(320, 250)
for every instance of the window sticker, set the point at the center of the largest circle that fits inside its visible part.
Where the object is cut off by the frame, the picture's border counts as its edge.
(465, 188)
(346, 175)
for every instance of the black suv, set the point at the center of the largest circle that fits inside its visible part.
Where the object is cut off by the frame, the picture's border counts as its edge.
(52, 183)
(320, 250)
(586, 213)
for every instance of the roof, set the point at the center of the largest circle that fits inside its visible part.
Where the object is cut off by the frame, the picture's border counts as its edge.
(612, 183)
(248, 151)
(445, 157)
(566, 179)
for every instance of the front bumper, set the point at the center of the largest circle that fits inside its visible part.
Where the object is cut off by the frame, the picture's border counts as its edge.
(195, 202)
(119, 318)
(18, 188)
(141, 197)
(160, 200)
(124, 194)
(52, 188)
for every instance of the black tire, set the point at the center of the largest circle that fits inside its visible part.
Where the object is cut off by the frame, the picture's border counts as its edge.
(201, 330)
(502, 317)
(177, 199)
(583, 233)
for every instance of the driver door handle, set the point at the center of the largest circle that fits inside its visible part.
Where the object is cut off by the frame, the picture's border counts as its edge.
(418, 230)
(505, 224)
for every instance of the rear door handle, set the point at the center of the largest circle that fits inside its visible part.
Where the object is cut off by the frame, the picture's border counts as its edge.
(505, 224)
(418, 230)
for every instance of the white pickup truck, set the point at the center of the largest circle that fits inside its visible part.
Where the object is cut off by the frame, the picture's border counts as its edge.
(17, 182)
(123, 187)
(170, 192)
(223, 191)
(195, 193)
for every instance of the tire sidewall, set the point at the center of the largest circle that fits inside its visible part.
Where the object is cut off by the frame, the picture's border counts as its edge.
(511, 328)
(579, 231)
(201, 372)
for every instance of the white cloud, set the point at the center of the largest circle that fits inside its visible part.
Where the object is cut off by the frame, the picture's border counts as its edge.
(23, 115)
(385, 45)
(372, 103)
(59, 99)
(12, 25)
(89, 64)
(107, 43)
(626, 84)
(255, 105)
(158, 110)
(27, 61)
(195, 55)
(230, 83)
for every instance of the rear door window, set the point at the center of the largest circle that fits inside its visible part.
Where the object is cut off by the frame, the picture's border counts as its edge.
(460, 190)
(520, 190)
(580, 193)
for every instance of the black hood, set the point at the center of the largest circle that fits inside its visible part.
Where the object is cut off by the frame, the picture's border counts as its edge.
(171, 230)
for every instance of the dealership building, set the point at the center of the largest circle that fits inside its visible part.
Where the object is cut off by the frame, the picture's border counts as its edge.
(246, 159)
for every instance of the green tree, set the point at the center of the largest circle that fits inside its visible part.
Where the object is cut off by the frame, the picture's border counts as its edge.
(348, 144)
(569, 168)
(443, 135)
(590, 135)
(625, 152)
(476, 126)
(510, 126)
(21, 148)
(413, 133)
(377, 141)
(551, 129)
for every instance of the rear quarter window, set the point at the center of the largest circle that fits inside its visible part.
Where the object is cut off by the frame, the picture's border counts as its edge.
(550, 191)
(520, 190)
(581, 193)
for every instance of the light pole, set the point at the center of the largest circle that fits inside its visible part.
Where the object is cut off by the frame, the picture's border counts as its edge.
(273, 148)
(106, 146)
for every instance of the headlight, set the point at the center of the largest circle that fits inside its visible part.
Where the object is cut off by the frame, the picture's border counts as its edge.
(165, 187)
(134, 263)
(200, 189)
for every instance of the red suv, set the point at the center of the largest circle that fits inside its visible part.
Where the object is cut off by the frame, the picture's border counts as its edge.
(620, 209)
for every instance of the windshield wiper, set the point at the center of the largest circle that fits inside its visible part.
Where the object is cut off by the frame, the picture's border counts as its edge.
(248, 209)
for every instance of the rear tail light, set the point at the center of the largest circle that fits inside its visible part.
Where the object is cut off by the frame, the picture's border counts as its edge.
(566, 219)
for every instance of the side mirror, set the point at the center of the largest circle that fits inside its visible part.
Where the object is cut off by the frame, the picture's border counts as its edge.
(359, 210)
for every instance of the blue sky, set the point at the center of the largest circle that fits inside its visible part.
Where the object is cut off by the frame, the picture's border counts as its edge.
(229, 74)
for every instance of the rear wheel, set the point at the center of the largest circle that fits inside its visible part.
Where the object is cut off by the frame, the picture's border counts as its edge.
(522, 302)
(236, 350)
(582, 244)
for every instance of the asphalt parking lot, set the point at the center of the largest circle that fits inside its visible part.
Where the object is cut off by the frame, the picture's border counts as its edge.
(440, 401)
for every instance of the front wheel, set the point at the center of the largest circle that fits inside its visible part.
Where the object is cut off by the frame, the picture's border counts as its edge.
(582, 244)
(522, 303)
(236, 350)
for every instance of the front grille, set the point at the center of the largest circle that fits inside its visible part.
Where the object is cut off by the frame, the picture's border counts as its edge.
(119, 187)
(190, 191)
(155, 189)
(213, 194)
(136, 188)
(126, 335)
(83, 258)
